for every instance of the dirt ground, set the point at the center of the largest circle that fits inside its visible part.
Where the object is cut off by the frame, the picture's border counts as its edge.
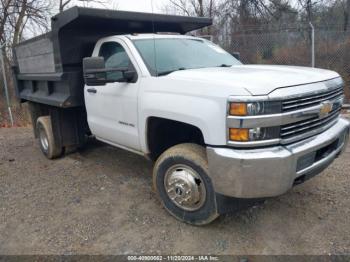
(100, 201)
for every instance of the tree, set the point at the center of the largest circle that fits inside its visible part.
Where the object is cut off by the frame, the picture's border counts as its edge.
(346, 24)
(64, 3)
(307, 8)
(198, 8)
(5, 12)
(16, 14)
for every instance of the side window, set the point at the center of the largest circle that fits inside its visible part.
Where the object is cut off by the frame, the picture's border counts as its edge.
(115, 56)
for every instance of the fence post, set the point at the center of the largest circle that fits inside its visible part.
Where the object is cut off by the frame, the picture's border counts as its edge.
(5, 84)
(312, 45)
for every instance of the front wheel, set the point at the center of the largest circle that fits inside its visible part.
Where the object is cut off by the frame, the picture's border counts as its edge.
(181, 179)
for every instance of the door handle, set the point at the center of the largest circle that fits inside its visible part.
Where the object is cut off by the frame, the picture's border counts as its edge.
(92, 90)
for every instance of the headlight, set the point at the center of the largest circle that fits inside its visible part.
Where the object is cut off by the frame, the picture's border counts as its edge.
(254, 134)
(255, 108)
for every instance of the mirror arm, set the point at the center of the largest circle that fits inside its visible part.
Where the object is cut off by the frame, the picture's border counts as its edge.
(106, 70)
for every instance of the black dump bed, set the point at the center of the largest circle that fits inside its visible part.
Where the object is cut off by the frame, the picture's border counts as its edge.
(48, 68)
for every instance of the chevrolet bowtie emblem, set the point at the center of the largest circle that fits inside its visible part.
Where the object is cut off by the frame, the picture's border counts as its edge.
(326, 107)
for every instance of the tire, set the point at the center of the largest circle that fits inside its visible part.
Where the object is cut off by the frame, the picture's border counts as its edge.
(181, 179)
(47, 142)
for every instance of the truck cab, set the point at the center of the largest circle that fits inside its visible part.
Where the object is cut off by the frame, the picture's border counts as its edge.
(153, 92)
(223, 135)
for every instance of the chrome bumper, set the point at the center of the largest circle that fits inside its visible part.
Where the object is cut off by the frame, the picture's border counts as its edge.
(271, 171)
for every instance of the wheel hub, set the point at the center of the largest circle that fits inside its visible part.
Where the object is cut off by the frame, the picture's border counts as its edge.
(43, 139)
(185, 187)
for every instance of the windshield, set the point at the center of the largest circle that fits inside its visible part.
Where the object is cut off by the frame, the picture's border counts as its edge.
(163, 56)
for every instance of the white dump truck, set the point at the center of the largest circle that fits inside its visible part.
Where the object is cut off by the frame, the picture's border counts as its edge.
(223, 135)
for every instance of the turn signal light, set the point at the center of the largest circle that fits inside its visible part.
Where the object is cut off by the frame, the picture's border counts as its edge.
(238, 109)
(239, 134)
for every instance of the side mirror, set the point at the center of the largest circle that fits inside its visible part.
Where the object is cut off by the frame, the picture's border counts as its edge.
(94, 71)
(129, 76)
(236, 55)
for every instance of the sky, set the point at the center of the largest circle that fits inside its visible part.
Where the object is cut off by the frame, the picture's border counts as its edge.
(126, 5)
(141, 5)
(133, 5)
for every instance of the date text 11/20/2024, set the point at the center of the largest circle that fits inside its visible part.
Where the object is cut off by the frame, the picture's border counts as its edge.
(173, 258)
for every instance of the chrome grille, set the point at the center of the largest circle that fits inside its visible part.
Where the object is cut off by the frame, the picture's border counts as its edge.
(309, 125)
(311, 100)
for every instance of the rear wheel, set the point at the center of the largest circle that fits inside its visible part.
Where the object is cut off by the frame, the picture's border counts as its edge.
(181, 179)
(47, 143)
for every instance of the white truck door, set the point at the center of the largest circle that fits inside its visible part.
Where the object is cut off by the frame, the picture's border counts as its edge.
(112, 108)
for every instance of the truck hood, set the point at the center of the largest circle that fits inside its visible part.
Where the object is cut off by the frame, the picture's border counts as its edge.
(256, 79)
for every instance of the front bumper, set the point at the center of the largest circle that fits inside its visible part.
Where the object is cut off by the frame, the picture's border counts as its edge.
(267, 172)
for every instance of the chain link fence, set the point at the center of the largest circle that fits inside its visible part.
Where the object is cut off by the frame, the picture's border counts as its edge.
(283, 47)
(294, 47)
(12, 113)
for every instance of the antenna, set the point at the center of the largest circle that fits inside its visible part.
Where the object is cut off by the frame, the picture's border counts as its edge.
(154, 40)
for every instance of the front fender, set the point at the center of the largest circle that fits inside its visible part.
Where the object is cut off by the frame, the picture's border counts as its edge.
(207, 114)
(199, 103)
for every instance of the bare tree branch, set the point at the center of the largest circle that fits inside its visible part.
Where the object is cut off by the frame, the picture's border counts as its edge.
(63, 4)
(181, 5)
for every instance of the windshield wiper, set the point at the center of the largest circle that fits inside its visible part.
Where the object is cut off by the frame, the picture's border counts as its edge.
(163, 73)
(224, 65)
